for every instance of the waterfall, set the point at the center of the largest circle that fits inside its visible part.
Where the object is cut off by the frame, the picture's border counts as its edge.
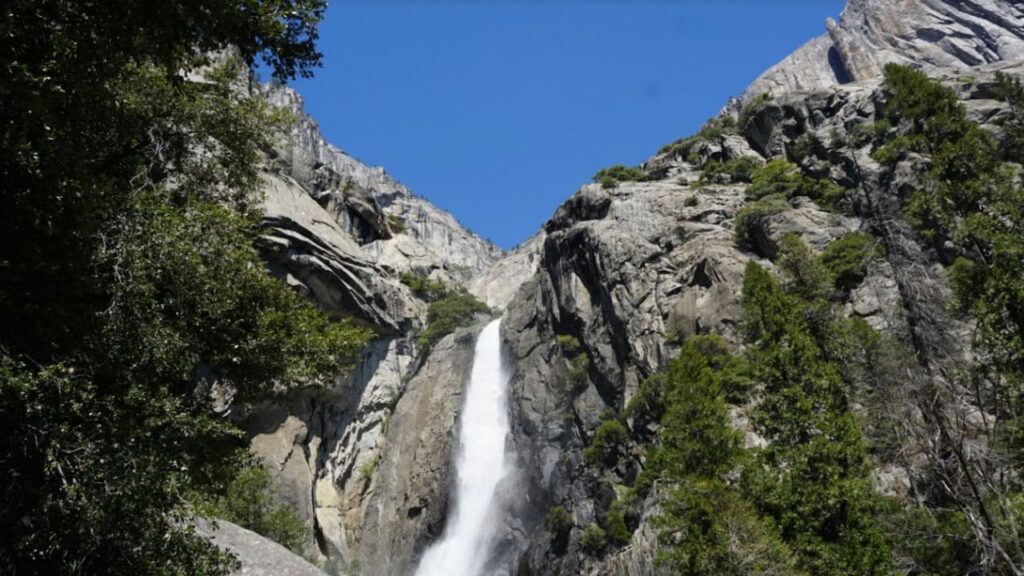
(463, 548)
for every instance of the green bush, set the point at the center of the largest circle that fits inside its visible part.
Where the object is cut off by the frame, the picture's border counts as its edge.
(616, 528)
(735, 170)
(249, 502)
(424, 287)
(609, 442)
(569, 344)
(594, 540)
(731, 370)
(647, 406)
(610, 177)
(573, 351)
(448, 314)
(1010, 90)
(782, 178)
(803, 274)
(706, 529)
(751, 229)
(691, 201)
(806, 146)
(813, 478)
(712, 131)
(558, 522)
(777, 177)
(847, 258)
(751, 109)
(396, 224)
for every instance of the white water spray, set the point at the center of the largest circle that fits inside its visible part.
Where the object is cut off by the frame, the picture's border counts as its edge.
(480, 465)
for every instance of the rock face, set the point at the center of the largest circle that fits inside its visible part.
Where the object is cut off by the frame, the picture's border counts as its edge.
(408, 498)
(342, 233)
(938, 35)
(630, 270)
(397, 230)
(498, 284)
(257, 555)
(626, 272)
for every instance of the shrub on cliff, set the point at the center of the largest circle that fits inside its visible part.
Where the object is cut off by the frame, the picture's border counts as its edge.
(751, 229)
(610, 177)
(558, 522)
(249, 501)
(594, 540)
(846, 259)
(779, 177)
(449, 314)
(732, 171)
(423, 287)
(609, 442)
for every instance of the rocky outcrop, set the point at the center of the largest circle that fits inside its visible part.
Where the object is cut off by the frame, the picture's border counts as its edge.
(628, 271)
(499, 283)
(408, 497)
(313, 253)
(257, 556)
(398, 230)
(342, 233)
(938, 35)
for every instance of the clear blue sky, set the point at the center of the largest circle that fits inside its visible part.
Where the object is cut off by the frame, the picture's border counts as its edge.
(499, 110)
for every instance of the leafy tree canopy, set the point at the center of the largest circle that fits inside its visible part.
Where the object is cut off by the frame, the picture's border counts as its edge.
(130, 143)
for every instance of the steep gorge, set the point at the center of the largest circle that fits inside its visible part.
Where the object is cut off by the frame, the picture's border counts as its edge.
(626, 272)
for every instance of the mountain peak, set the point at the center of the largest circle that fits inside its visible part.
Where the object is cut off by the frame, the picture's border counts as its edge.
(937, 35)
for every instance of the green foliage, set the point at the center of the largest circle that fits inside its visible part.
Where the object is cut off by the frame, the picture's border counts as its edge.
(751, 229)
(609, 443)
(707, 529)
(647, 406)
(846, 259)
(96, 475)
(558, 522)
(425, 288)
(972, 196)
(616, 528)
(777, 177)
(781, 178)
(933, 541)
(964, 157)
(569, 345)
(751, 109)
(1010, 90)
(396, 224)
(735, 170)
(449, 314)
(806, 146)
(594, 540)
(610, 177)
(573, 351)
(174, 311)
(127, 231)
(691, 201)
(694, 436)
(249, 502)
(712, 131)
(804, 276)
(813, 478)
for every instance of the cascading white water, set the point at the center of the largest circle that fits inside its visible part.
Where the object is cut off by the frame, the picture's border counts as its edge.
(480, 465)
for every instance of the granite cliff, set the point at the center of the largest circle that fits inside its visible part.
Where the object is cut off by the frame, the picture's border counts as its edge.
(625, 271)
